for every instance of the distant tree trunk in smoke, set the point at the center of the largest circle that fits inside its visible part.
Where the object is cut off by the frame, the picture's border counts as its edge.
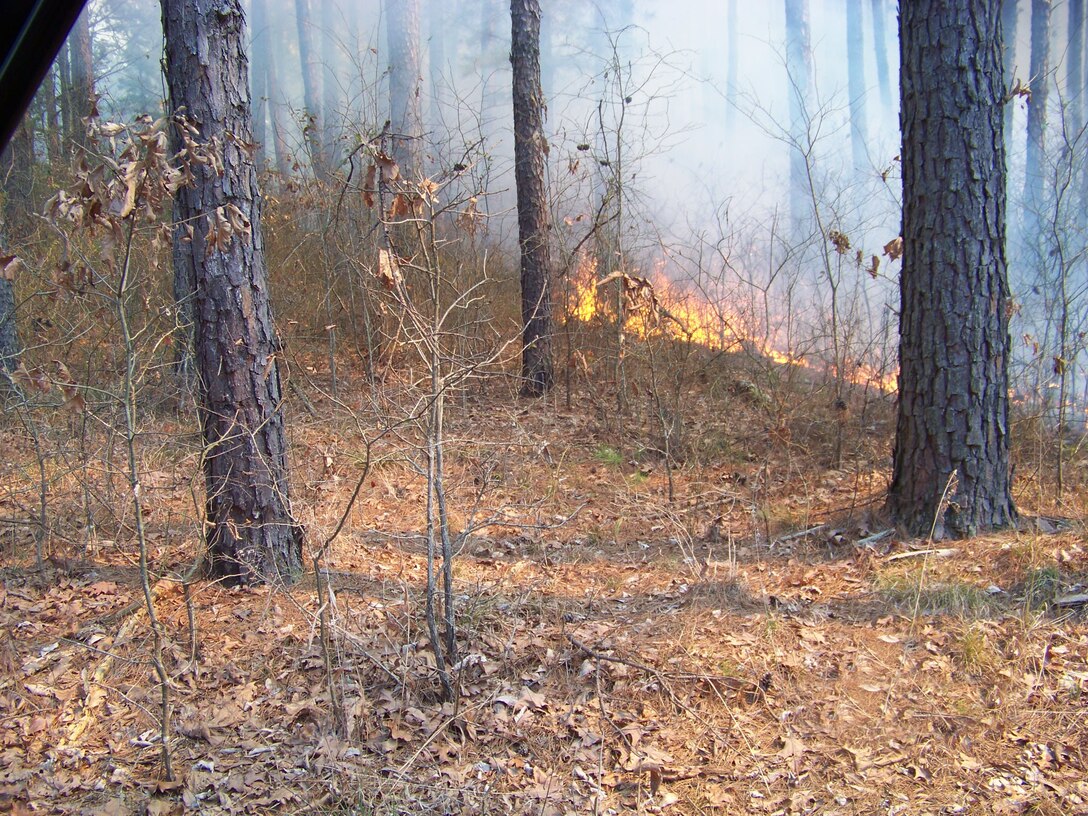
(1035, 170)
(880, 49)
(311, 80)
(1009, 10)
(81, 61)
(1074, 83)
(331, 23)
(799, 80)
(405, 116)
(436, 62)
(732, 61)
(529, 153)
(258, 76)
(950, 470)
(252, 535)
(855, 51)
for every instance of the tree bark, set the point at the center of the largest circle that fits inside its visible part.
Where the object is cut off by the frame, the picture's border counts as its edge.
(953, 413)
(799, 71)
(311, 81)
(82, 95)
(405, 117)
(855, 51)
(529, 152)
(252, 536)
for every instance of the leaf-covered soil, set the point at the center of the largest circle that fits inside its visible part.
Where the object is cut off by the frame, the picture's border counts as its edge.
(754, 644)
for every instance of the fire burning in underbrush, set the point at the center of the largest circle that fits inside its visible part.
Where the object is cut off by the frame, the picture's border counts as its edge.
(660, 307)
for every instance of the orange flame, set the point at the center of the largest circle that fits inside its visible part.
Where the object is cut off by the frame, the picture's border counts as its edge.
(666, 308)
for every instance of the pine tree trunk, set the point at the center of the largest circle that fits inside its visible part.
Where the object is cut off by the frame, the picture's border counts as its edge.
(82, 67)
(311, 82)
(799, 70)
(529, 151)
(16, 185)
(1035, 168)
(279, 128)
(1074, 86)
(258, 77)
(732, 61)
(855, 50)
(953, 413)
(1009, 11)
(880, 49)
(330, 91)
(405, 117)
(252, 536)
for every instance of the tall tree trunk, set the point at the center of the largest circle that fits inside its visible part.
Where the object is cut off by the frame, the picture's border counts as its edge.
(799, 76)
(953, 414)
(1074, 83)
(855, 50)
(16, 177)
(1009, 13)
(311, 81)
(252, 535)
(880, 49)
(732, 61)
(279, 127)
(529, 151)
(405, 117)
(1035, 168)
(84, 101)
(50, 103)
(331, 23)
(259, 51)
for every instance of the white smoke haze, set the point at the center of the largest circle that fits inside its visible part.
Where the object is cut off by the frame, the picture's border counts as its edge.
(685, 104)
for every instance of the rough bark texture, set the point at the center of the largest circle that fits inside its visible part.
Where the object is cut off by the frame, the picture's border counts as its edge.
(954, 337)
(529, 144)
(799, 69)
(405, 117)
(311, 82)
(82, 93)
(252, 536)
(855, 50)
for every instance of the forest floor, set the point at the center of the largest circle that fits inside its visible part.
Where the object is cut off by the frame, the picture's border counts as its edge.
(759, 643)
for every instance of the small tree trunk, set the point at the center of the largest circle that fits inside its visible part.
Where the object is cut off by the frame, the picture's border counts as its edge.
(252, 535)
(529, 151)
